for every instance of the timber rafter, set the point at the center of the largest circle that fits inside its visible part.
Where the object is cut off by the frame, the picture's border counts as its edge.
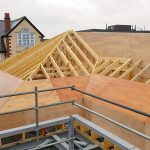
(68, 55)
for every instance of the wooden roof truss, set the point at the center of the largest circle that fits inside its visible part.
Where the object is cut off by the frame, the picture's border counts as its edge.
(68, 55)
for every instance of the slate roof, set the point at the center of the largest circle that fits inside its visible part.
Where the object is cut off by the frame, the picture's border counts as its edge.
(15, 22)
(2, 31)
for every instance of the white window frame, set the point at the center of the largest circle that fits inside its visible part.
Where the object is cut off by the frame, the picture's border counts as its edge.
(24, 38)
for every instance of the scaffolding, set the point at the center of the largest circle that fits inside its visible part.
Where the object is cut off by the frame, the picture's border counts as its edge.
(69, 124)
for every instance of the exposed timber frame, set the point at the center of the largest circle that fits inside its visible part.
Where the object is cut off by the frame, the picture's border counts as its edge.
(68, 55)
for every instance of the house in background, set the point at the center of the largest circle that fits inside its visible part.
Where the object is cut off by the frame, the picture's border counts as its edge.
(17, 35)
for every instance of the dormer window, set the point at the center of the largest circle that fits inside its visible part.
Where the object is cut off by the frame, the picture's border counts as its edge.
(25, 38)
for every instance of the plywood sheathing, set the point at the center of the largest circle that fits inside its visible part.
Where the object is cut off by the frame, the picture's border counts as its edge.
(26, 101)
(8, 84)
(121, 91)
(80, 82)
(132, 94)
(67, 55)
(117, 44)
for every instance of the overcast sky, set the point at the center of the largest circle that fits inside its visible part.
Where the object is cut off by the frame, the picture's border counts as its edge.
(54, 16)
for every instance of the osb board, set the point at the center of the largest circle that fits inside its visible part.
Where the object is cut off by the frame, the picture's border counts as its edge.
(8, 84)
(117, 44)
(25, 101)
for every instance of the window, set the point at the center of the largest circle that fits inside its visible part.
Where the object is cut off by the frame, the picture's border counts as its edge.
(25, 38)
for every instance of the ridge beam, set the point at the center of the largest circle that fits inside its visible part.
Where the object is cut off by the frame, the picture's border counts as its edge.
(140, 73)
(64, 58)
(110, 67)
(56, 67)
(80, 52)
(102, 66)
(130, 69)
(76, 58)
(120, 68)
(45, 72)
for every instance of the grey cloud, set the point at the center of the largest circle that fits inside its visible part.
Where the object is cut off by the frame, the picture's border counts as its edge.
(55, 16)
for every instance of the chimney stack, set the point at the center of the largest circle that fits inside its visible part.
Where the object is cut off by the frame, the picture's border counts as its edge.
(7, 22)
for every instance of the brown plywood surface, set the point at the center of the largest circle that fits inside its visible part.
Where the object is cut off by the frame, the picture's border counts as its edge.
(8, 84)
(25, 101)
(80, 82)
(116, 44)
(132, 94)
(28, 117)
(10, 121)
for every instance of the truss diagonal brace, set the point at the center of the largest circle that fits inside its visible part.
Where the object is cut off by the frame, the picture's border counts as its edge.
(120, 68)
(45, 72)
(56, 67)
(140, 73)
(76, 59)
(110, 67)
(67, 62)
(80, 52)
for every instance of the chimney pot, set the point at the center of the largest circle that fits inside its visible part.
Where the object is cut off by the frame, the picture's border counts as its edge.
(7, 22)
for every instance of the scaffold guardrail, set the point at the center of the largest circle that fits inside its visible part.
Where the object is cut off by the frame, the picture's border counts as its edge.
(36, 91)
